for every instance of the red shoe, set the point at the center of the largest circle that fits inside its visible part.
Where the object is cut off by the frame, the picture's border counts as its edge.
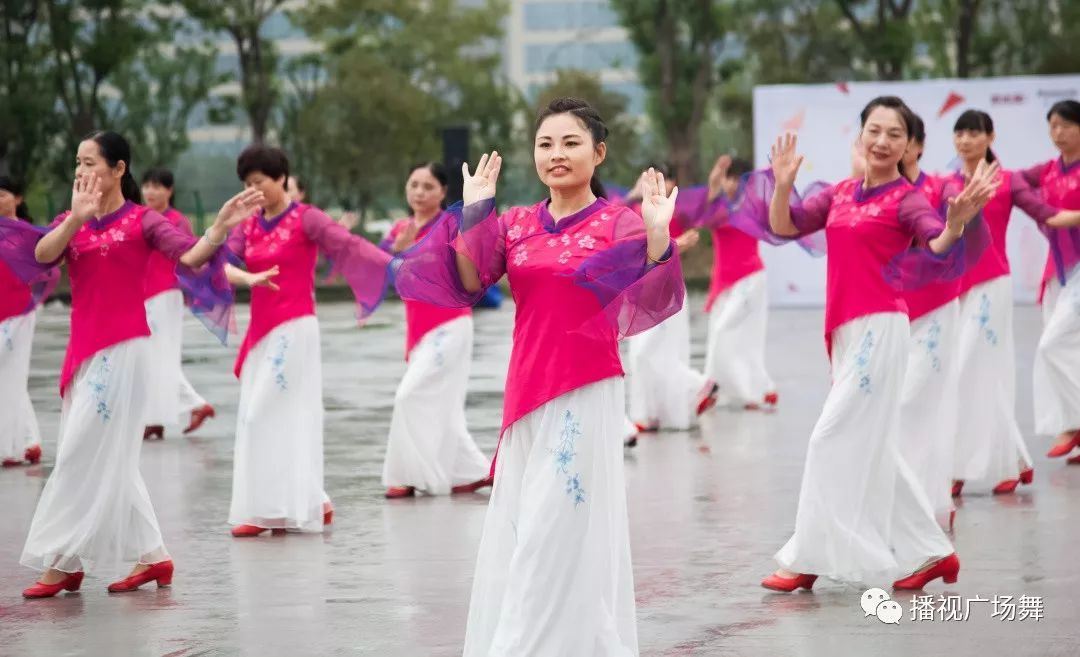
(71, 583)
(772, 398)
(153, 431)
(646, 428)
(1005, 487)
(947, 569)
(708, 398)
(397, 492)
(11, 463)
(474, 486)
(161, 572)
(1027, 476)
(952, 519)
(1061, 449)
(33, 454)
(957, 487)
(327, 513)
(1073, 460)
(247, 531)
(198, 416)
(785, 584)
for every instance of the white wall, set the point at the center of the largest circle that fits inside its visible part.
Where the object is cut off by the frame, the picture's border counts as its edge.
(826, 116)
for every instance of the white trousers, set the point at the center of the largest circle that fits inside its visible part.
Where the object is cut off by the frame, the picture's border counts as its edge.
(278, 459)
(171, 396)
(735, 357)
(553, 577)
(430, 447)
(95, 513)
(928, 415)
(1056, 377)
(662, 387)
(862, 515)
(989, 446)
(19, 425)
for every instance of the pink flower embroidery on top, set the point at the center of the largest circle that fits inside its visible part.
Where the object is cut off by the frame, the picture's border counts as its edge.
(565, 240)
(514, 233)
(564, 257)
(586, 242)
(520, 256)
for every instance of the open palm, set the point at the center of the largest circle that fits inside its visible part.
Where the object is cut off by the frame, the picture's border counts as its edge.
(657, 207)
(481, 185)
(785, 159)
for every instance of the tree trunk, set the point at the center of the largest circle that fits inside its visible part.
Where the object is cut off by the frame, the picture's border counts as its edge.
(965, 29)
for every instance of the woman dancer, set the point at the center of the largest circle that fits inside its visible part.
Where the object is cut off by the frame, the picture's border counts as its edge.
(171, 396)
(20, 436)
(278, 459)
(429, 448)
(988, 442)
(862, 516)
(662, 389)
(94, 512)
(553, 575)
(1056, 380)
(737, 303)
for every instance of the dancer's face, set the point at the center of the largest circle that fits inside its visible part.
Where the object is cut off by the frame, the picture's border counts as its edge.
(273, 189)
(89, 161)
(565, 154)
(884, 139)
(423, 192)
(912, 154)
(972, 145)
(1065, 135)
(294, 191)
(156, 196)
(9, 201)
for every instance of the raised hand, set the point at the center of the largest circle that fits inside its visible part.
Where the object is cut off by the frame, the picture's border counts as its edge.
(785, 160)
(718, 174)
(406, 238)
(657, 207)
(238, 208)
(687, 240)
(86, 198)
(263, 278)
(349, 220)
(481, 185)
(977, 192)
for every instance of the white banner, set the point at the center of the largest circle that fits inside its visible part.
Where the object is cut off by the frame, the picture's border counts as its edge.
(826, 117)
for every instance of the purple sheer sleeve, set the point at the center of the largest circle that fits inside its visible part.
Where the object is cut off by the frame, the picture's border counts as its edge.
(206, 289)
(809, 211)
(634, 295)
(427, 271)
(18, 240)
(362, 264)
(235, 245)
(919, 265)
(1029, 199)
(1033, 175)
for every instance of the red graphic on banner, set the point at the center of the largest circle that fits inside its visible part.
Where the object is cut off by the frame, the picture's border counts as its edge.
(952, 101)
(842, 86)
(795, 123)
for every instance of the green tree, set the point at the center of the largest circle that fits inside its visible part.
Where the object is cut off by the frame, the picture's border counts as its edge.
(27, 98)
(884, 33)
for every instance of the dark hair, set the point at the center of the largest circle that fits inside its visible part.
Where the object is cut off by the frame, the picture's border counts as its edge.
(918, 130)
(1066, 109)
(437, 171)
(115, 149)
(16, 188)
(588, 117)
(267, 160)
(300, 184)
(907, 117)
(161, 176)
(739, 167)
(976, 121)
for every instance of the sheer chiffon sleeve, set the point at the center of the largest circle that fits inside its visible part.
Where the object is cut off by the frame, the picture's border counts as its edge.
(809, 211)
(18, 239)
(364, 266)
(919, 265)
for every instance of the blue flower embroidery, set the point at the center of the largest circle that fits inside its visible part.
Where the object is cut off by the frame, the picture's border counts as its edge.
(931, 342)
(564, 457)
(437, 344)
(98, 382)
(983, 318)
(5, 333)
(277, 362)
(862, 361)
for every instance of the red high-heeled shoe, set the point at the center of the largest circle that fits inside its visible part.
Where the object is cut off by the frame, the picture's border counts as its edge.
(957, 487)
(708, 397)
(772, 398)
(1027, 476)
(788, 584)
(198, 416)
(11, 463)
(646, 428)
(397, 492)
(1061, 449)
(947, 569)
(327, 513)
(71, 583)
(486, 482)
(247, 531)
(32, 454)
(153, 431)
(161, 572)
(952, 519)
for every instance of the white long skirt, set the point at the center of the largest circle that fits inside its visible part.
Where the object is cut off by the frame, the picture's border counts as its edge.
(95, 513)
(988, 442)
(430, 447)
(171, 396)
(928, 402)
(278, 458)
(553, 576)
(662, 387)
(863, 516)
(1057, 360)
(735, 356)
(19, 426)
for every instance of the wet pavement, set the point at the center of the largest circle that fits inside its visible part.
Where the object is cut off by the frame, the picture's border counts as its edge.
(707, 510)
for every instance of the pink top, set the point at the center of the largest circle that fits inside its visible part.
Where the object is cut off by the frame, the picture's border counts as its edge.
(924, 300)
(1013, 190)
(161, 272)
(15, 296)
(421, 318)
(1060, 187)
(292, 241)
(19, 296)
(735, 255)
